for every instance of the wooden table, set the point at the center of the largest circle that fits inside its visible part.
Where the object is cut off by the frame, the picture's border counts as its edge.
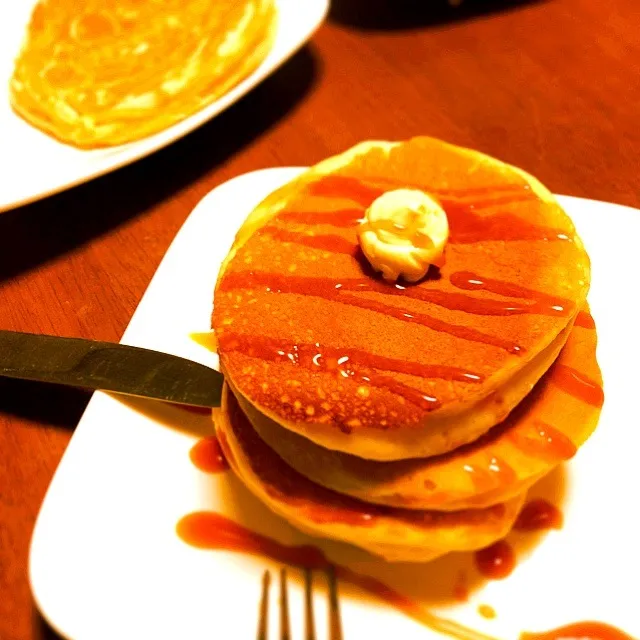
(551, 86)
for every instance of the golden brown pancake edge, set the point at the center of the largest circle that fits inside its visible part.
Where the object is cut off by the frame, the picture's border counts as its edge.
(398, 535)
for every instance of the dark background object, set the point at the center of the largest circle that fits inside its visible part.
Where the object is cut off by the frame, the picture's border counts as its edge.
(390, 15)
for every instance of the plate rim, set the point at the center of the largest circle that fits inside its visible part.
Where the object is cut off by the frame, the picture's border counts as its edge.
(128, 153)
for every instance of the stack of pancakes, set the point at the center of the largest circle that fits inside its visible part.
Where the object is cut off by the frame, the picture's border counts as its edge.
(106, 72)
(407, 419)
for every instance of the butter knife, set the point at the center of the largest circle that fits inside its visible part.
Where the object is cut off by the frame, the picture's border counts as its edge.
(108, 366)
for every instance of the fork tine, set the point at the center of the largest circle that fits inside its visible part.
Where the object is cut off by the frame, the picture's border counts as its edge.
(335, 626)
(264, 606)
(309, 626)
(284, 607)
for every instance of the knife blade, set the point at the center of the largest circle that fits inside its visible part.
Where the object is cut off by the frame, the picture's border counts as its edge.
(108, 366)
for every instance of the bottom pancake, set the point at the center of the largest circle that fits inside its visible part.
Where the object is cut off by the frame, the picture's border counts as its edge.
(544, 430)
(396, 534)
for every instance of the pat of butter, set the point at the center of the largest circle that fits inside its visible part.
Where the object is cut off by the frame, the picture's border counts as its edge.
(404, 232)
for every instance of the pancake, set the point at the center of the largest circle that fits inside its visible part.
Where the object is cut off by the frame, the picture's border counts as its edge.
(394, 534)
(547, 428)
(318, 343)
(106, 72)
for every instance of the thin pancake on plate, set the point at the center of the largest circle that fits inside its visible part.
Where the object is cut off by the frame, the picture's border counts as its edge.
(104, 72)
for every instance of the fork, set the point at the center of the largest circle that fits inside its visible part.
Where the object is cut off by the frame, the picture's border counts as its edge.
(335, 626)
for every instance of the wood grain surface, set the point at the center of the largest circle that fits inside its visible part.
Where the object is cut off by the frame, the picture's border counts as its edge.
(551, 86)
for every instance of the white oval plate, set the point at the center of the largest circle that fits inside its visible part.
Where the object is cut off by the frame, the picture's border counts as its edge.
(105, 560)
(34, 165)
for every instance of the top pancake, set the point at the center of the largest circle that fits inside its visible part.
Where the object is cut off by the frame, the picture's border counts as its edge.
(298, 313)
(105, 72)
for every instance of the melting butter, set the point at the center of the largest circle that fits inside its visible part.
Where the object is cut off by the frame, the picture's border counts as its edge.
(403, 233)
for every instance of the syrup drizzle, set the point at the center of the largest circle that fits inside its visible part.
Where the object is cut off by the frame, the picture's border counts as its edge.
(332, 290)
(312, 356)
(466, 226)
(207, 455)
(537, 515)
(355, 364)
(209, 530)
(351, 217)
(325, 242)
(457, 330)
(541, 302)
(589, 630)
(497, 473)
(206, 339)
(337, 218)
(487, 611)
(543, 441)
(334, 186)
(578, 385)
(365, 193)
(585, 320)
(461, 588)
(213, 531)
(496, 561)
(500, 191)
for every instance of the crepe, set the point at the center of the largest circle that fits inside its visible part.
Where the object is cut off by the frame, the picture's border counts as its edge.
(107, 72)
(315, 341)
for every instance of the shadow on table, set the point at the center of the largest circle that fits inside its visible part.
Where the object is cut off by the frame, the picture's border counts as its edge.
(395, 15)
(43, 403)
(41, 628)
(44, 230)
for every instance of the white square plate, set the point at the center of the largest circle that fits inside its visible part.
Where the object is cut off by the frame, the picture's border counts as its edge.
(106, 561)
(34, 165)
